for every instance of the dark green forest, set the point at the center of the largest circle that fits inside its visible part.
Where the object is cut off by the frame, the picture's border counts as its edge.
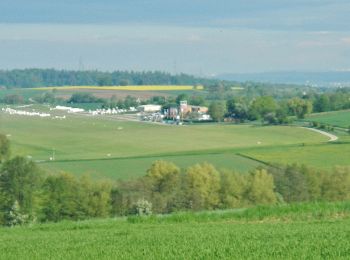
(28, 78)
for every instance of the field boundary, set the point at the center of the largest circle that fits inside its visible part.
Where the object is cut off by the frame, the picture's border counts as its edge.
(254, 159)
(194, 153)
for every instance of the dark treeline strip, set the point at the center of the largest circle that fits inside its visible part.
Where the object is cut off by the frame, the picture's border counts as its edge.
(28, 78)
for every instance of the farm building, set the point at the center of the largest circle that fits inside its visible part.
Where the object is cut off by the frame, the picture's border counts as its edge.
(199, 109)
(171, 112)
(185, 108)
(183, 111)
(149, 108)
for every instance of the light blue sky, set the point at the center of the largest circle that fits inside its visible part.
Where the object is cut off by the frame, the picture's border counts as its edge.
(198, 36)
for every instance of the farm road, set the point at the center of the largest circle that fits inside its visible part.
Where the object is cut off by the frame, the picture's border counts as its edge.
(331, 137)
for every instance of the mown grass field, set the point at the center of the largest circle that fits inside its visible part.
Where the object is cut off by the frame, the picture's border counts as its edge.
(335, 118)
(321, 156)
(305, 231)
(110, 148)
(126, 168)
(86, 137)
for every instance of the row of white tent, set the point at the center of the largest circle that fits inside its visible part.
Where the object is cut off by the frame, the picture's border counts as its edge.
(111, 111)
(68, 109)
(102, 111)
(24, 113)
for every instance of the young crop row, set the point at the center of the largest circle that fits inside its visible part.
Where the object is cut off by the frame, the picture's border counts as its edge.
(225, 239)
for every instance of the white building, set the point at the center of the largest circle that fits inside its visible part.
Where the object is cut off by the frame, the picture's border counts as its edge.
(149, 108)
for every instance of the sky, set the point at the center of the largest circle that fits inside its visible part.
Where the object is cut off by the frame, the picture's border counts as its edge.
(200, 37)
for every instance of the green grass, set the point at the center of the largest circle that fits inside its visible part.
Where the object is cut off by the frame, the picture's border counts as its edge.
(273, 236)
(134, 167)
(336, 118)
(322, 156)
(83, 137)
(83, 143)
(310, 211)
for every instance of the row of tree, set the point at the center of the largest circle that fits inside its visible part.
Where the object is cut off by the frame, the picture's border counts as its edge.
(265, 108)
(331, 101)
(27, 194)
(251, 100)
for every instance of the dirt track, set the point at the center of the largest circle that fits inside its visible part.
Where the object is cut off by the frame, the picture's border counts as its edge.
(332, 137)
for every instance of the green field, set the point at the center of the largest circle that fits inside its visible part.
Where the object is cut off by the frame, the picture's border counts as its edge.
(335, 118)
(107, 147)
(85, 137)
(305, 231)
(125, 168)
(321, 156)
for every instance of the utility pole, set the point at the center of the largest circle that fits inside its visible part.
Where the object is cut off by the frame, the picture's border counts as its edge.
(175, 67)
(81, 64)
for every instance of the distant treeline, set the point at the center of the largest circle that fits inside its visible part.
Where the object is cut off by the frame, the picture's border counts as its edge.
(27, 194)
(28, 78)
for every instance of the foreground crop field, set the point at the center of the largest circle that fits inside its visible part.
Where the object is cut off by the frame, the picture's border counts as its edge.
(95, 142)
(336, 118)
(298, 232)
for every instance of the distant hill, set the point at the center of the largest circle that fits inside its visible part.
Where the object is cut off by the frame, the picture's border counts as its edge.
(28, 78)
(326, 79)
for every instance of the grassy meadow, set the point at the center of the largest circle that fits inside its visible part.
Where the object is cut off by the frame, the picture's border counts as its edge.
(87, 137)
(334, 118)
(83, 144)
(301, 231)
(126, 168)
(321, 156)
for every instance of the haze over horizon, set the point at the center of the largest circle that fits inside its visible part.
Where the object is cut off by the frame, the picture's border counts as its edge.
(198, 37)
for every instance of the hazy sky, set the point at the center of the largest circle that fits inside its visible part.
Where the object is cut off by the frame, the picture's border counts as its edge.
(193, 36)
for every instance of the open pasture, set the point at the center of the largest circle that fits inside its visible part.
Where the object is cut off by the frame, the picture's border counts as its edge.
(85, 144)
(126, 168)
(335, 118)
(87, 137)
(321, 156)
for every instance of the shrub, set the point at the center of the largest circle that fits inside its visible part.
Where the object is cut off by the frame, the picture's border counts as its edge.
(143, 207)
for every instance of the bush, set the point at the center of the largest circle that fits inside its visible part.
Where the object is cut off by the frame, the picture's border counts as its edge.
(143, 207)
(15, 217)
